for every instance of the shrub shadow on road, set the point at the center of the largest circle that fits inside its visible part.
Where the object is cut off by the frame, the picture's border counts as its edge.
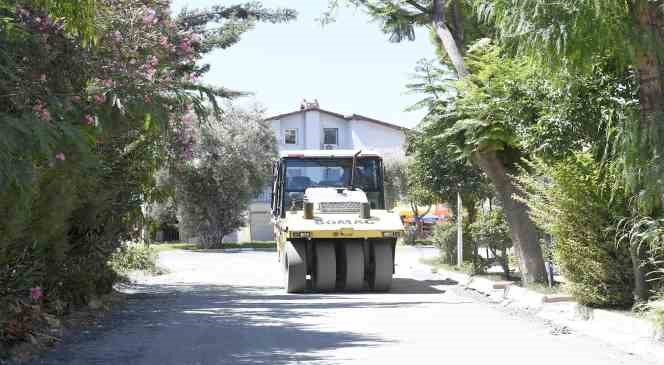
(412, 286)
(205, 324)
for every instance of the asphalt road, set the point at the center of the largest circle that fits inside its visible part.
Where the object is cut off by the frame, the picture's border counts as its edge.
(229, 308)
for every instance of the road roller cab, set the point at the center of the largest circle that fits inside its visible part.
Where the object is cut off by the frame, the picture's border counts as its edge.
(332, 229)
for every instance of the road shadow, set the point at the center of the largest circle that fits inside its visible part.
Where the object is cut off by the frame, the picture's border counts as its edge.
(412, 286)
(205, 324)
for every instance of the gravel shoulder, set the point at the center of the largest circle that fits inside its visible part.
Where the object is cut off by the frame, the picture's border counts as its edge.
(229, 308)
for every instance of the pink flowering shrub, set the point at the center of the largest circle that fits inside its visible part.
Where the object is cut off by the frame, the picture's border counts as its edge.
(36, 293)
(84, 128)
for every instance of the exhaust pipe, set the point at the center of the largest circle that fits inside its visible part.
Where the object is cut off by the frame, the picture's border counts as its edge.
(365, 212)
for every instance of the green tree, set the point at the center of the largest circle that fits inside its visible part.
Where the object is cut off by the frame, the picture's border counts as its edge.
(400, 187)
(438, 170)
(78, 15)
(231, 158)
(448, 21)
(572, 34)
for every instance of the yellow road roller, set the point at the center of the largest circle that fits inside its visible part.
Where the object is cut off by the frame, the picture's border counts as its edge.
(331, 225)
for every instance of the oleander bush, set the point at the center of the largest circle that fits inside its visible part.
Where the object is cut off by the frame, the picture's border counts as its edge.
(95, 97)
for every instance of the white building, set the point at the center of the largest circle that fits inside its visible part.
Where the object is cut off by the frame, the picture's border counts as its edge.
(313, 128)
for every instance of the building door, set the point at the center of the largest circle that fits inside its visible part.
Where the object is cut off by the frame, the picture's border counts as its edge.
(261, 227)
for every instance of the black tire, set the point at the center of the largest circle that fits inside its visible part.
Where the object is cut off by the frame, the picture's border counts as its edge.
(353, 266)
(325, 271)
(380, 278)
(294, 263)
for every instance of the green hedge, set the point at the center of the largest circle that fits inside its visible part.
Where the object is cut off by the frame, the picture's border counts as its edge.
(576, 206)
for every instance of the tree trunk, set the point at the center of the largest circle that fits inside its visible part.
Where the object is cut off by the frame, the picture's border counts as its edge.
(447, 39)
(505, 263)
(457, 22)
(641, 292)
(651, 98)
(650, 23)
(471, 207)
(522, 229)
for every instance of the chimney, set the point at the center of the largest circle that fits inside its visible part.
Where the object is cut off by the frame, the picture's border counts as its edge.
(309, 105)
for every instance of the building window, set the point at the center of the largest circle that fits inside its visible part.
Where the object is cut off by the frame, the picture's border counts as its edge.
(290, 136)
(331, 136)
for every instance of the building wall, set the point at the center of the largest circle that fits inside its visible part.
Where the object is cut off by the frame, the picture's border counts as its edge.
(387, 141)
(312, 128)
(290, 122)
(330, 121)
(353, 134)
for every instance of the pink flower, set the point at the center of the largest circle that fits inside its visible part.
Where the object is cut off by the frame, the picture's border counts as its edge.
(100, 98)
(147, 99)
(41, 111)
(185, 46)
(88, 119)
(150, 16)
(163, 41)
(108, 83)
(60, 156)
(22, 12)
(45, 115)
(188, 118)
(149, 74)
(76, 98)
(153, 60)
(36, 293)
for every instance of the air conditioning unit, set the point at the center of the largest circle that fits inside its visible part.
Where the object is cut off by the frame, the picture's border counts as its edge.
(329, 146)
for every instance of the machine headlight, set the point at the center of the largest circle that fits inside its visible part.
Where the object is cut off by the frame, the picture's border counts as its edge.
(391, 234)
(301, 234)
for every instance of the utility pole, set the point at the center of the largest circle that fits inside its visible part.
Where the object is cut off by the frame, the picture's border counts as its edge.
(459, 230)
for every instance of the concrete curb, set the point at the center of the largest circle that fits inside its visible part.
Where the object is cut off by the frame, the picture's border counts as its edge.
(632, 334)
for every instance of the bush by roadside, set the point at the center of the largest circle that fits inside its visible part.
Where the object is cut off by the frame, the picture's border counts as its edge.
(445, 238)
(134, 256)
(422, 242)
(491, 231)
(574, 206)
